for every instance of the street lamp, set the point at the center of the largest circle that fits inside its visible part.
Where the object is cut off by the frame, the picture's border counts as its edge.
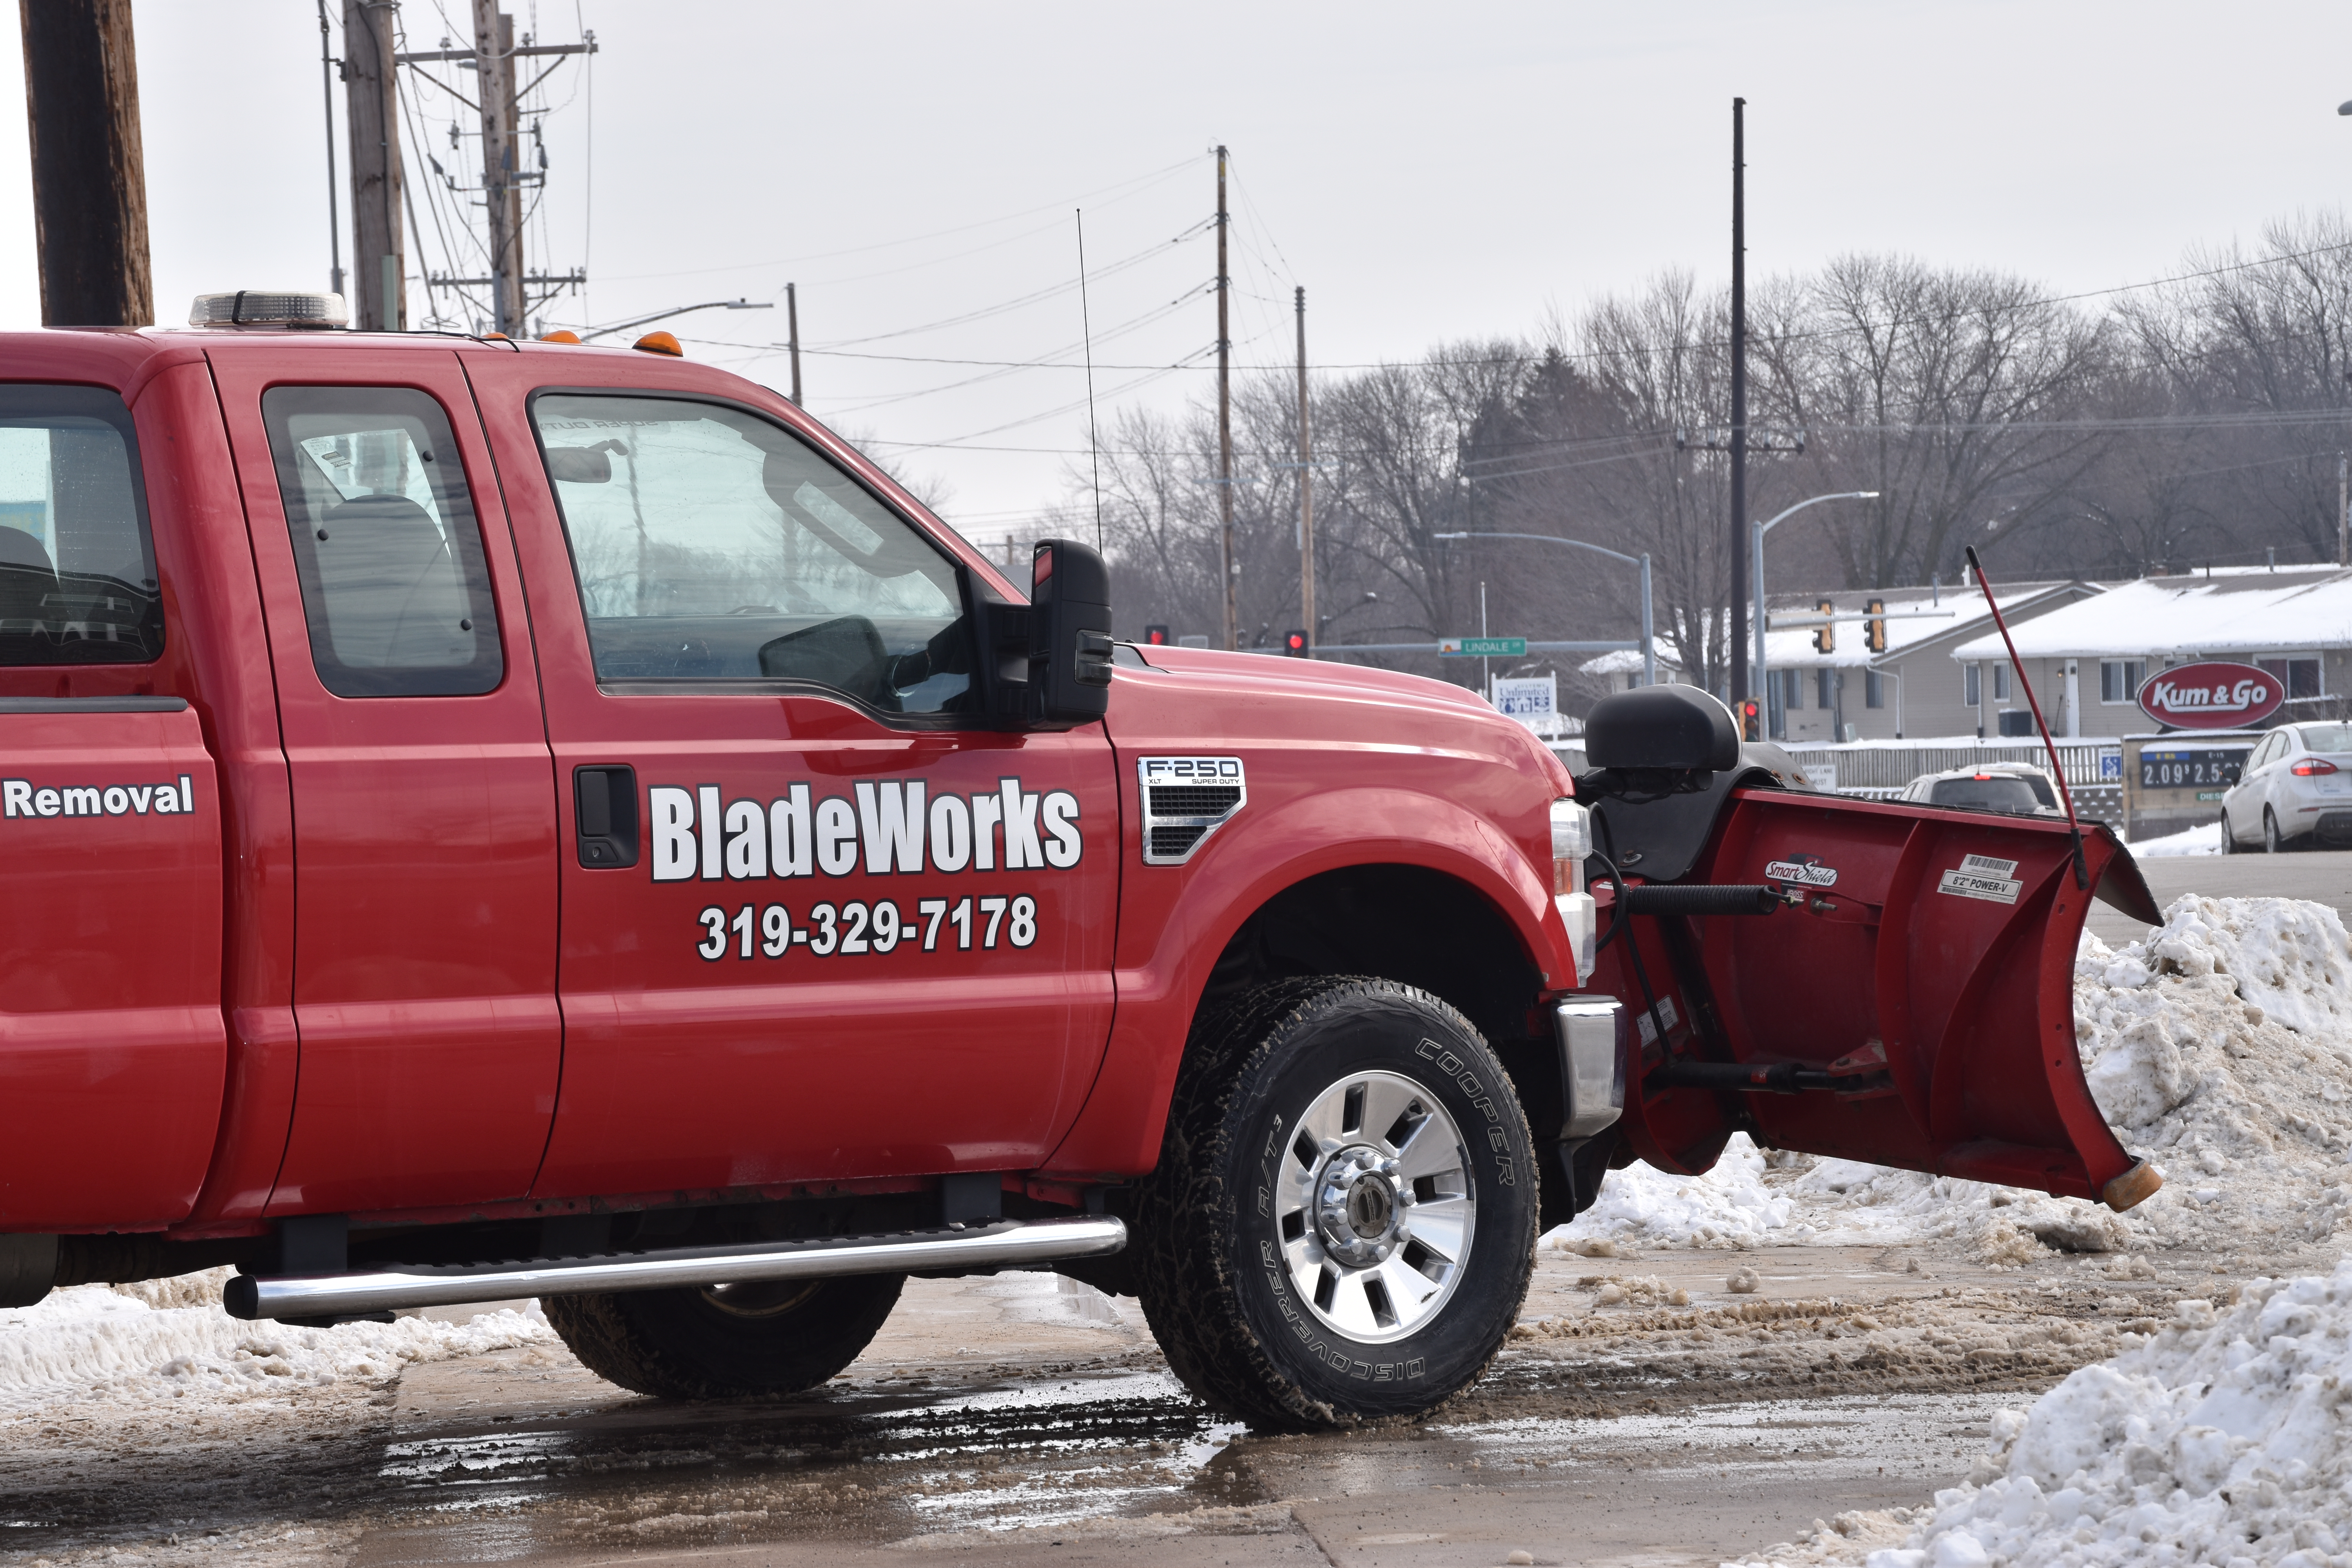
(1649, 647)
(681, 310)
(1758, 530)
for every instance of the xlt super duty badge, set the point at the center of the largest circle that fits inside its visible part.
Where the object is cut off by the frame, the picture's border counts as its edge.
(1185, 799)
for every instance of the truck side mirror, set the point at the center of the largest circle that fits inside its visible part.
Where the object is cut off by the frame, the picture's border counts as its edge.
(1069, 646)
(1045, 665)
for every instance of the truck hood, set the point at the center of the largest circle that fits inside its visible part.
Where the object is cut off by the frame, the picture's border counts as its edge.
(1263, 697)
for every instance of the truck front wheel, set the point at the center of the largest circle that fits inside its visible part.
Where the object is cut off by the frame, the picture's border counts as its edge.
(1342, 1222)
(728, 1340)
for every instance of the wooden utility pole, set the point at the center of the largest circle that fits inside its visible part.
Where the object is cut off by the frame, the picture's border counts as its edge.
(1738, 403)
(1305, 490)
(89, 180)
(371, 84)
(501, 163)
(1232, 565)
(327, 98)
(792, 335)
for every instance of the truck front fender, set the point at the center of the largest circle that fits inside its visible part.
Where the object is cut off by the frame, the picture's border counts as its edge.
(1176, 920)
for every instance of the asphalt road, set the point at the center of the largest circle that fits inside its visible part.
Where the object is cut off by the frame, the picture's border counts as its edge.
(2324, 876)
(1022, 1420)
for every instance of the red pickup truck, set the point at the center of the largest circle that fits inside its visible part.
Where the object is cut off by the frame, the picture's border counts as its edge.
(497, 819)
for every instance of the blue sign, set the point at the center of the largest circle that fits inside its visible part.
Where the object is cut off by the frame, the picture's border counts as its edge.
(2111, 767)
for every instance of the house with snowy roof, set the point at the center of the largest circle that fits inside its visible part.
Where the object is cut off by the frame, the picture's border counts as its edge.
(1909, 691)
(2087, 659)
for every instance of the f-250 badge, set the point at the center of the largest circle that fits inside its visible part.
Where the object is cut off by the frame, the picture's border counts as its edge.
(1801, 872)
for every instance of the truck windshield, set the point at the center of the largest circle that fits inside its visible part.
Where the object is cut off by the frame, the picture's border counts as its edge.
(1984, 792)
(713, 545)
(77, 565)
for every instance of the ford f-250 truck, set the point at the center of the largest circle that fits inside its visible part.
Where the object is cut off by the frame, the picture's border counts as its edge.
(490, 819)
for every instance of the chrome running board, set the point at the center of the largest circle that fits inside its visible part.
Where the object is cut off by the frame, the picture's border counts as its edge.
(1006, 1245)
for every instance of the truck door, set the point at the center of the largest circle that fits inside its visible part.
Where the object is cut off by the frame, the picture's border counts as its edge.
(424, 799)
(818, 921)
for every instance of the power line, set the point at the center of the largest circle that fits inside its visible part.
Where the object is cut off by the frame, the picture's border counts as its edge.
(1142, 183)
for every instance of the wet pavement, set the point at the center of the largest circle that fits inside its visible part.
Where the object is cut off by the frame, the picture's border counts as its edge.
(1027, 1419)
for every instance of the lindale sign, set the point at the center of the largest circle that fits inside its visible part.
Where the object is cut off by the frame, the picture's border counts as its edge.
(2212, 696)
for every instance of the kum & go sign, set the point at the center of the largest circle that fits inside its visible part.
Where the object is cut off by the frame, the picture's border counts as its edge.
(2215, 695)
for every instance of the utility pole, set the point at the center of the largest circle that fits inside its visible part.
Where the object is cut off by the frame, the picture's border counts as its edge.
(2343, 511)
(379, 250)
(89, 180)
(334, 218)
(1306, 491)
(1225, 416)
(792, 335)
(1739, 692)
(501, 163)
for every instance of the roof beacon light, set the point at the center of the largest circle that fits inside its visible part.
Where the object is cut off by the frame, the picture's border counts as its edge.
(285, 309)
(659, 343)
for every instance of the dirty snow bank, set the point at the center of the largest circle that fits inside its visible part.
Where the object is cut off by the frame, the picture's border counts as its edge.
(2222, 1440)
(2219, 1047)
(168, 1339)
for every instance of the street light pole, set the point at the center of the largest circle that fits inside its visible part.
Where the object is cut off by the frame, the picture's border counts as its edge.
(1757, 531)
(1649, 644)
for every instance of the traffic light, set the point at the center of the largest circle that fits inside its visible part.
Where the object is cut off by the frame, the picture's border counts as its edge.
(1294, 644)
(1751, 720)
(1825, 634)
(1873, 634)
(1155, 636)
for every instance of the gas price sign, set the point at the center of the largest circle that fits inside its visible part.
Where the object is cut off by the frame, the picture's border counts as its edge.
(2180, 768)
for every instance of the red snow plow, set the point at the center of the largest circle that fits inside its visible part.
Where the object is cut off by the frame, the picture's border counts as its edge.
(1877, 982)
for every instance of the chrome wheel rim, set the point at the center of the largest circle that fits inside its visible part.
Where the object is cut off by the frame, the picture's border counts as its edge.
(1375, 1207)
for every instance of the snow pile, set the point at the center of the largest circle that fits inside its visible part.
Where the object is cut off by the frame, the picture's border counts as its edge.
(2205, 838)
(2222, 1440)
(2219, 1048)
(107, 1343)
(1727, 1206)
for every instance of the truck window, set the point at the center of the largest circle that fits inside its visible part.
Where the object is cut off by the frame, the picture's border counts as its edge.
(385, 541)
(77, 563)
(713, 545)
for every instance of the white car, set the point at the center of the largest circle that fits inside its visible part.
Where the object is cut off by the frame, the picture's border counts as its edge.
(2295, 792)
(2018, 788)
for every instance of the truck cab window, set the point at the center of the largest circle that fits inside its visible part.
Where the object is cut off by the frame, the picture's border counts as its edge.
(712, 545)
(385, 541)
(77, 565)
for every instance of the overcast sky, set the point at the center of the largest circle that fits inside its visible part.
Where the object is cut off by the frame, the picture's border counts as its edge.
(1428, 174)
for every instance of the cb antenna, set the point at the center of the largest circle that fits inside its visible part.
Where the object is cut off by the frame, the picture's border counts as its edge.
(1093, 434)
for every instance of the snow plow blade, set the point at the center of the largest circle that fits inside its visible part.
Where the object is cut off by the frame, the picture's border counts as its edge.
(1910, 1002)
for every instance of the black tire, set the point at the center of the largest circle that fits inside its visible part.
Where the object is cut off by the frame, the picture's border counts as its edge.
(2273, 841)
(2228, 839)
(1221, 1258)
(732, 1342)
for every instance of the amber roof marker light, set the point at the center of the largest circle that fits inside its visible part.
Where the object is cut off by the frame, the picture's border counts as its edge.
(659, 343)
(560, 335)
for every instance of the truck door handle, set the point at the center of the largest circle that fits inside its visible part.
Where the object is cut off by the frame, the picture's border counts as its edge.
(604, 800)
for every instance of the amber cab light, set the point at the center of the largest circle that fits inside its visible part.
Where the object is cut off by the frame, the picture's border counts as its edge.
(560, 335)
(2310, 766)
(659, 343)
